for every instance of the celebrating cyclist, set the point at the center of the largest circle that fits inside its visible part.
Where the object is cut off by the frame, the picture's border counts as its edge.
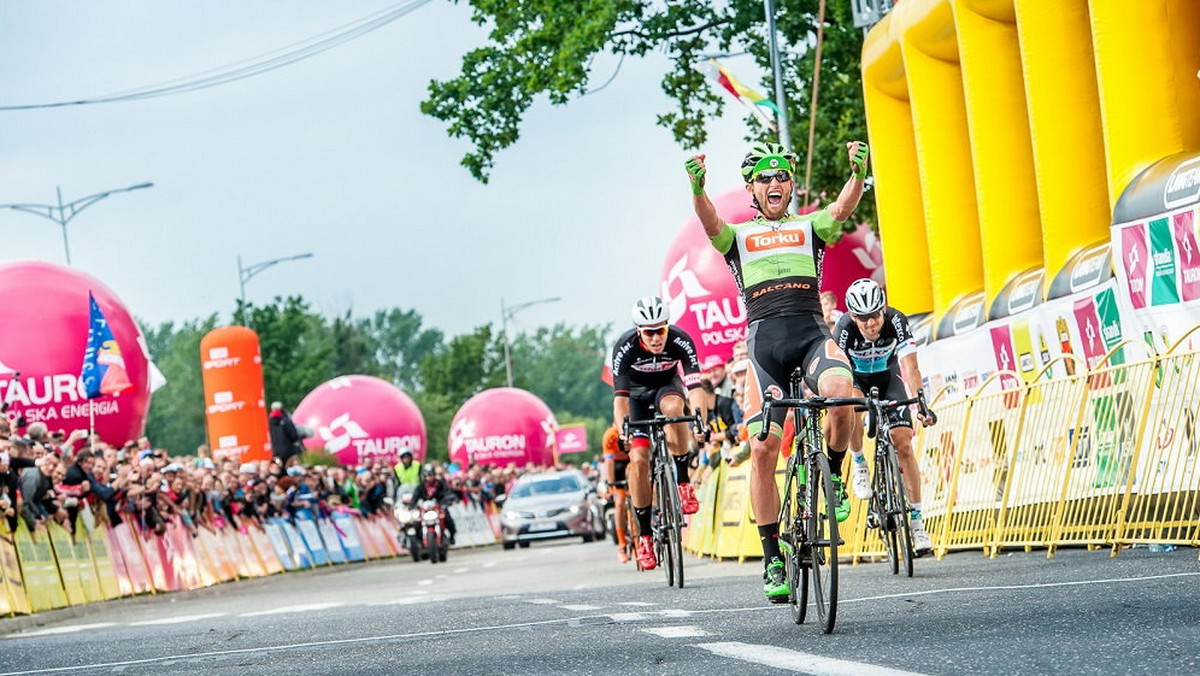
(776, 260)
(645, 367)
(883, 355)
(616, 460)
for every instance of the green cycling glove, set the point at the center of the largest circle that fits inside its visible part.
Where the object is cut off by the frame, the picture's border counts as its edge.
(696, 174)
(858, 162)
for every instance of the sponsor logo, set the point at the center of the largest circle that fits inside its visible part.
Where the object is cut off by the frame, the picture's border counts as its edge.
(1090, 269)
(223, 403)
(228, 446)
(786, 286)
(775, 240)
(1024, 293)
(774, 392)
(969, 315)
(35, 391)
(688, 285)
(1183, 187)
(340, 433)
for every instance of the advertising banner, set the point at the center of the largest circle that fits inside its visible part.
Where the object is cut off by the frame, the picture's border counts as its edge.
(235, 412)
(362, 419)
(572, 439)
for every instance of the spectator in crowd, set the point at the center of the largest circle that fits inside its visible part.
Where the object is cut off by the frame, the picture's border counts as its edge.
(829, 309)
(37, 492)
(285, 438)
(715, 372)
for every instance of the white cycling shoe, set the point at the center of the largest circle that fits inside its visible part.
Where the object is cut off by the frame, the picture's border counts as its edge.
(860, 478)
(922, 545)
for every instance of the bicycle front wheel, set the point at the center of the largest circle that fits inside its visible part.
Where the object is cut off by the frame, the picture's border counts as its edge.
(662, 532)
(898, 508)
(879, 511)
(791, 537)
(823, 540)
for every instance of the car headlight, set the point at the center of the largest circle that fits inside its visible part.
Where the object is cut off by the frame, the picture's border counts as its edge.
(575, 509)
(508, 517)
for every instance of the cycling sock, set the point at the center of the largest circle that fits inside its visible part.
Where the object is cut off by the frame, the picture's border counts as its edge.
(859, 457)
(769, 534)
(643, 519)
(681, 468)
(914, 510)
(836, 458)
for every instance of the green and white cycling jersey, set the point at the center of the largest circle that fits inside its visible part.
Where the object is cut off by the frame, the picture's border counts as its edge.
(777, 264)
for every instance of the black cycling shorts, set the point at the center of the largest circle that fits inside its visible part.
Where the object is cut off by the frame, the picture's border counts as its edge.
(620, 480)
(891, 387)
(644, 403)
(779, 346)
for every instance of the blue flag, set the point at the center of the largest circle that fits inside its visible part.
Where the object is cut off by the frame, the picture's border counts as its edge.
(103, 367)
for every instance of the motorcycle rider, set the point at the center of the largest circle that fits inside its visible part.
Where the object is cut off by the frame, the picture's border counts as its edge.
(433, 488)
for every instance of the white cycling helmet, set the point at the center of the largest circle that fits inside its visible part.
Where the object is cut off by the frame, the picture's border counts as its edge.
(649, 311)
(864, 297)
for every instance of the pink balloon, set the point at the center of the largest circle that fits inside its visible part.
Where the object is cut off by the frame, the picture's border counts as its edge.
(699, 288)
(503, 426)
(44, 318)
(856, 255)
(361, 419)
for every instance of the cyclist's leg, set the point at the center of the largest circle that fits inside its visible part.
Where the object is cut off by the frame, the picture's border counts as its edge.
(766, 374)
(860, 476)
(827, 371)
(671, 404)
(638, 471)
(902, 435)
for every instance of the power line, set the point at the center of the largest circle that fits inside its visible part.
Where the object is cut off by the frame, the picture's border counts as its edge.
(257, 65)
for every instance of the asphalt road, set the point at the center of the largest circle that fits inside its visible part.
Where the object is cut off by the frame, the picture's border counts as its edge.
(570, 608)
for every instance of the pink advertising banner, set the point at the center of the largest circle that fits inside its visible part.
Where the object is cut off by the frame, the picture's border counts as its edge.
(1134, 255)
(1184, 230)
(572, 439)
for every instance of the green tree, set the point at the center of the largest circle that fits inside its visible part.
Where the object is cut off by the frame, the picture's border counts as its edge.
(546, 47)
(176, 420)
(297, 348)
(401, 343)
(467, 365)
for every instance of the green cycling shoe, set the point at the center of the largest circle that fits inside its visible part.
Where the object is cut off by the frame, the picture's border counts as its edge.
(775, 586)
(841, 510)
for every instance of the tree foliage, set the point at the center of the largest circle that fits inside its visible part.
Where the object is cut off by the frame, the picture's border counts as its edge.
(302, 349)
(546, 48)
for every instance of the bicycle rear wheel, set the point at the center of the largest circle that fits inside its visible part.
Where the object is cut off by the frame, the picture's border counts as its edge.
(898, 508)
(823, 540)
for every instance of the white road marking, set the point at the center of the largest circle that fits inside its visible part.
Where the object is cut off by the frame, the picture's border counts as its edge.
(636, 603)
(543, 602)
(460, 571)
(302, 608)
(425, 583)
(1017, 587)
(176, 620)
(443, 576)
(627, 617)
(54, 631)
(490, 564)
(687, 631)
(794, 660)
(580, 606)
(418, 591)
(404, 602)
(675, 612)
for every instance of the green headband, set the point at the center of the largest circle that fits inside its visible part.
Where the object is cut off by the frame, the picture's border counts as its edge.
(771, 162)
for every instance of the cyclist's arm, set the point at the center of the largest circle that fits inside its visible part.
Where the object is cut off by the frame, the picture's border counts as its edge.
(847, 200)
(696, 398)
(620, 409)
(610, 470)
(707, 213)
(911, 372)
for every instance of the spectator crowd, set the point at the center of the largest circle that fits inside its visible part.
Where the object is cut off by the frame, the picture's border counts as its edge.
(53, 476)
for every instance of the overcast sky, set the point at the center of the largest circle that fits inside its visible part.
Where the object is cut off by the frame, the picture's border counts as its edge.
(332, 156)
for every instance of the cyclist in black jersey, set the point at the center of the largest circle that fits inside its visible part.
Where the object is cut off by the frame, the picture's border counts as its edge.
(883, 355)
(645, 366)
(776, 260)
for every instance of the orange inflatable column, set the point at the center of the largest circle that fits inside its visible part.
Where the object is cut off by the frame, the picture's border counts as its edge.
(233, 395)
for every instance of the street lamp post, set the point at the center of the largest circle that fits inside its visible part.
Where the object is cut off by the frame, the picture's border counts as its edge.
(63, 213)
(245, 273)
(506, 313)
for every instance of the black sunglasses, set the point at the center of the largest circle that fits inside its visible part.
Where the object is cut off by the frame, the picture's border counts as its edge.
(863, 318)
(781, 175)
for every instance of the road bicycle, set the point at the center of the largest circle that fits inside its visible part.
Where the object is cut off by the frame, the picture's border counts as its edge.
(888, 508)
(808, 529)
(666, 515)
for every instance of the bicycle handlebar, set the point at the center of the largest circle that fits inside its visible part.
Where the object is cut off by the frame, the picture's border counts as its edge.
(871, 404)
(661, 421)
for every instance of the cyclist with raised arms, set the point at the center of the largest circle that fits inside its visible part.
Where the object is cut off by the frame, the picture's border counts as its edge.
(645, 366)
(776, 260)
(883, 355)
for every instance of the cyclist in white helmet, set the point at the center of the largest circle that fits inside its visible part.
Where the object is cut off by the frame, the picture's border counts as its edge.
(645, 366)
(883, 355)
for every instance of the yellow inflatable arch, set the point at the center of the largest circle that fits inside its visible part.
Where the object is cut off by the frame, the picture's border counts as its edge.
(1005, 130)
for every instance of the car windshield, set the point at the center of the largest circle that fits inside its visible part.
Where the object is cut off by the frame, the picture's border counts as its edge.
(562, 484)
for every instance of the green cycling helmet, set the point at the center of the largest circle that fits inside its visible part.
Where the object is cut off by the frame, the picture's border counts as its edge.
(764, 156)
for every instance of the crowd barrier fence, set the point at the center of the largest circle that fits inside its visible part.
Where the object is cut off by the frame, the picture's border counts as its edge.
(50, 568)
(1067, 456)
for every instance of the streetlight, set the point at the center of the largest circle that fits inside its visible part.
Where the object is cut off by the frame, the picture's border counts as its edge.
(506, 313)
(245, 273)
(63, 213)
